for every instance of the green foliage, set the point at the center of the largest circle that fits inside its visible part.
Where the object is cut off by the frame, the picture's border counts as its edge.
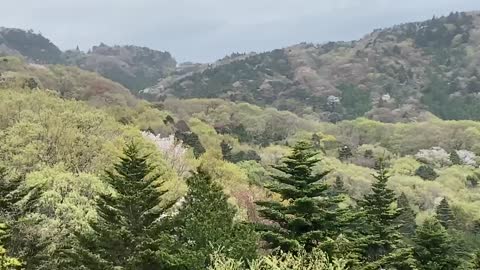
(344, 153)
(31, 45)
(356, 102)
(455, 159)
(126, 233)
(314, 260)
(303, 218)
(382, 243)
(7, 262)
(206, 222)
(406, 219)
(426, 172)
(445, 214)
(434, 248)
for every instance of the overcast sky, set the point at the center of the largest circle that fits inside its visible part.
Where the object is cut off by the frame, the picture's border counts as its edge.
(205, 30)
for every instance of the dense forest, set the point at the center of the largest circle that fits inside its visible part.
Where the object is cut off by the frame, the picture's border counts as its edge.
(268, 176)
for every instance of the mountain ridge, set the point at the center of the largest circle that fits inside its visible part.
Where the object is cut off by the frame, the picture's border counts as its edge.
(391, 70)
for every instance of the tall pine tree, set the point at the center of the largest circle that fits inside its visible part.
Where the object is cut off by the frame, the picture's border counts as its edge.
(382, 245)
(206, 224)
(434, 248)
(407, 216)
(126, 236)
(445, 214)
(309, 213)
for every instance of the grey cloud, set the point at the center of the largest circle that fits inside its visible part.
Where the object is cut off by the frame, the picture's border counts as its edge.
(204, 30)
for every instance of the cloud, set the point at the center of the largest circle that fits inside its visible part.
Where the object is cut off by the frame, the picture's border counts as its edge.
(204, 30)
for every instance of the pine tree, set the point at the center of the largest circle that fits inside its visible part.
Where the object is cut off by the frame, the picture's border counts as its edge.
(339, 185)
(7, 262)
(406, 219)
(126, 233)
(382, 245)
(444, 214)
(206, 223)
(10, 194)
(309, 213)
(434, 248)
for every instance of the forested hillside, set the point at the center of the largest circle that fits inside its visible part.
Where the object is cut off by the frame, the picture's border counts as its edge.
(134, 67)
(233, 165)
(391, 75)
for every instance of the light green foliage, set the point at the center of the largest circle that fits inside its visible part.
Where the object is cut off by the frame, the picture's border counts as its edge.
(69, 82)
(39, 130)
(315, 260)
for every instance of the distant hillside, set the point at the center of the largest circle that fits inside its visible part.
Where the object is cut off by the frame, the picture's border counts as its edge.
(395, 74)
(134, 67)
(30, 45)
(69, 82)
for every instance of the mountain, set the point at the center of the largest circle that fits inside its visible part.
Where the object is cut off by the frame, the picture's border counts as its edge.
(132, 66)
(30, 45)
(395, 74)
(68, 81)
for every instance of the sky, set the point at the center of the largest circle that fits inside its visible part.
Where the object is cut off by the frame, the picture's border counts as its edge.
(206, 30)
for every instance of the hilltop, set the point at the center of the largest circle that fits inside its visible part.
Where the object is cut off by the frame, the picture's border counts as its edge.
(134, 67)
(395, 74)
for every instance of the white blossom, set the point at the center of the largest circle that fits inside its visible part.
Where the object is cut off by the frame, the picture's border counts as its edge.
(436, 156)
(173, 151)
(467, 157)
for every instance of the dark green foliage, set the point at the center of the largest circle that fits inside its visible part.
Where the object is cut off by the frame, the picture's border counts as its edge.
(31, 45)
(206, 223)
(191, 139)
(426, 172)
(454, 158)
(437, 96)
(434, 248)
(345, 153)
(30, 83)
(445, 214)
(356, 102)
(473, 180)
(339, 185)
(245, 156)
(310, 213)
(226, 150)
(406, 219)
(382, 244)
(126, 233)
(10, 194)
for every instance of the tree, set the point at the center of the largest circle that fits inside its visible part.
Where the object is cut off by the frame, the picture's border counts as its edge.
(7, 262)
(206, 223)
(382, 244)
(309, 213)
(455, 158)
(344, 153)
(444, 214)
(406, 219)
(426, 173)
(10, 194)
(434, 248)
(126, 233)
(226, 150)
